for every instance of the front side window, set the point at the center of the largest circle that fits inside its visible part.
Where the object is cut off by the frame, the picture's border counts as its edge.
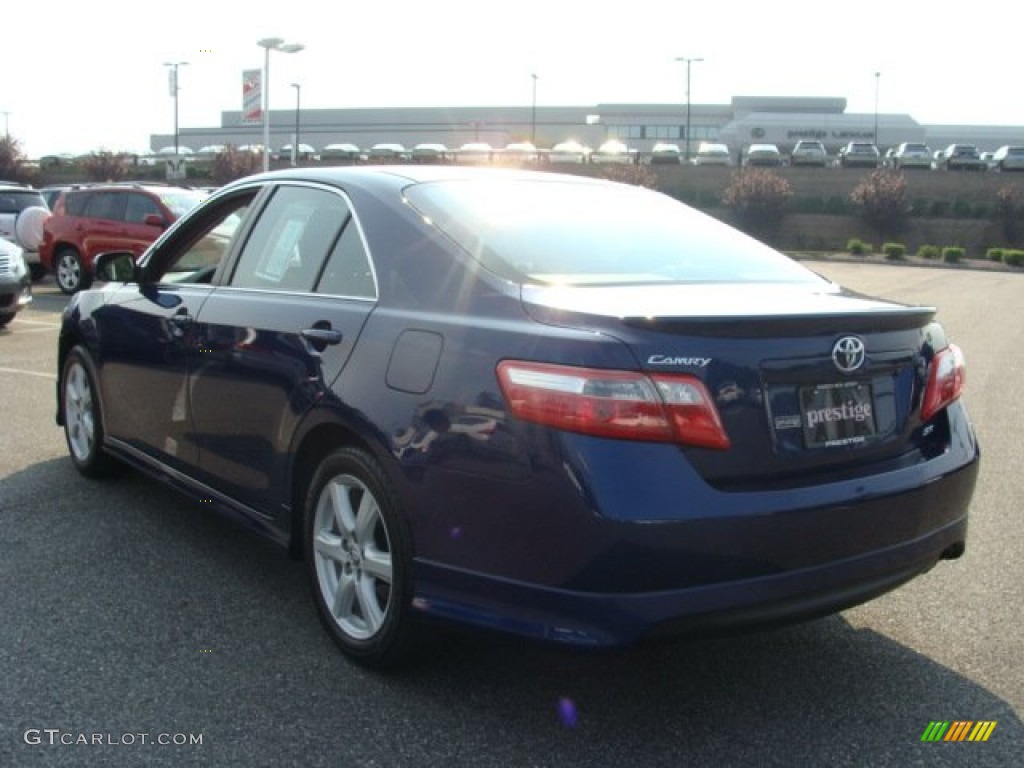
(291, 240)
(199, 251)
(139, 207)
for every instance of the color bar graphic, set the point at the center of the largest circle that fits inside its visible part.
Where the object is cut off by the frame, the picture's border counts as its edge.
(958, 730)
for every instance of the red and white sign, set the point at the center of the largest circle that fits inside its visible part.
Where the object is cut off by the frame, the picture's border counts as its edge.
(252, 96)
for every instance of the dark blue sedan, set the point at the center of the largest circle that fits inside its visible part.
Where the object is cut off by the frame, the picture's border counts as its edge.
(549, 405)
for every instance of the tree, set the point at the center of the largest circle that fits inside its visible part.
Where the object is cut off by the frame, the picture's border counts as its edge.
(758, 199)
(104, 165)
(1009, 212)
(881, 200)
(232, 163)
(13, 164)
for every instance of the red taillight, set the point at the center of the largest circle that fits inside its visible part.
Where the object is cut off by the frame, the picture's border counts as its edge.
(620, 404)
(945, 381)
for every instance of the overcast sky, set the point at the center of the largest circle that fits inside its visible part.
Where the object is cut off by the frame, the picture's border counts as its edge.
(80, 76)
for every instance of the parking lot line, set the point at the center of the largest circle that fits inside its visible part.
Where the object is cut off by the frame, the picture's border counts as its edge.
(40, 374)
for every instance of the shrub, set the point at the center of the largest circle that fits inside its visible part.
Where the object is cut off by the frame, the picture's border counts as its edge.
(953, 254)
(1013, 258)
(919, 207)
(638, 176)
(757, 198)
(894, 251)
(857, 247)
(939, 209)
(928, 251)
(836, 205)
(881, 200)
(961, 209)
(994, 254)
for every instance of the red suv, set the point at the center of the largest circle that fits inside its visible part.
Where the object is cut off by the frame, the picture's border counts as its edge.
(90, 220)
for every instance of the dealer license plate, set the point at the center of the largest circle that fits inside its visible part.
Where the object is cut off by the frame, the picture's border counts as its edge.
(836, 414)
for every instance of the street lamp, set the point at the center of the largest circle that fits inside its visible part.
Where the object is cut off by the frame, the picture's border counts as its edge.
(268, 44)
(173, 84)
(295, 141)
(688, 63)
(877, 76)
(533, 113)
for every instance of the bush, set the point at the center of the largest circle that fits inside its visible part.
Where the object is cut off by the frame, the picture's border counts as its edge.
(1009, 212)
(919, 207)
(638, 176)
(961, 209)
(939, 209)
(857, 247)
(953, 254)
(894, 251)
(1013, 258)
(836, 206)
(994, 254)
(881, 200)
(928, 251)
(757, 198)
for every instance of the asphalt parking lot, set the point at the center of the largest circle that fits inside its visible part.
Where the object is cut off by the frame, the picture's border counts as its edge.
(130, 617)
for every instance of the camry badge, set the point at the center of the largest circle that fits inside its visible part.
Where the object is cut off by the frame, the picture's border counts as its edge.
(848, 354)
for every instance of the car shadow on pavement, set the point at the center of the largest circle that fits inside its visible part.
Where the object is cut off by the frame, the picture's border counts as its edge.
(127, 606)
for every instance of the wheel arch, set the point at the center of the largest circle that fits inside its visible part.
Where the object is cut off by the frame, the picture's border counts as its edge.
(313, 446)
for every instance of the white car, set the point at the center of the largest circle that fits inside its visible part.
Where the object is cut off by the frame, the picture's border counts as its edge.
(664, 153)
(475, 152)
(519, 152)
(1008, 159)
(568, 152)
(388, 153)
(763, 154)
(809, 152)
(912, 154)
(429, 153)
(612, 151)
(712, 153)
(342, 151)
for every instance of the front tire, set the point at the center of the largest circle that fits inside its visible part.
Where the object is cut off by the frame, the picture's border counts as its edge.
(83, 419)
(359, 556)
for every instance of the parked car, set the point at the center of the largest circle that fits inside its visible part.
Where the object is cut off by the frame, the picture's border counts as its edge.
(859, 154)
(306, 152)
(568, 152)
(474, 153)
(342, 151)
(712, 153)
(960, 157)
(809, 152)
(519, 152)
(763, 154)
(388, 152)
(89, 220)
(1008, 158)
(911, 154)
(430, 153)
(15, 281)
(22, 213)
(556, 406)
(613, 151)
(666, 153)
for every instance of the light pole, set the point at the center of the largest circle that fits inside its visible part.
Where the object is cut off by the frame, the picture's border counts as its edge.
(533, 113)
(172, 74)
(295, 141)
(268, 44)
(878, 75)
(688, 63)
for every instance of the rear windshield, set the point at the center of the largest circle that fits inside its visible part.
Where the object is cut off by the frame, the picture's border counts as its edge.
(575, 233)
(15, 201)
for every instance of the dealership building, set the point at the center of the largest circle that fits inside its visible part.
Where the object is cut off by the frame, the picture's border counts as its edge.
(746, 120)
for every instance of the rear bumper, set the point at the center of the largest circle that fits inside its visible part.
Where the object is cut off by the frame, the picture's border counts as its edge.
(614, 619)
(720, 561)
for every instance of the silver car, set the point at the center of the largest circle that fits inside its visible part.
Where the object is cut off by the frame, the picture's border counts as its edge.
(809, 153)
(911, 154)
(1008, 159)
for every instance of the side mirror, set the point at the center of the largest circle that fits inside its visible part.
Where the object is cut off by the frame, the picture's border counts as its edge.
(116, 267)
(154, 220)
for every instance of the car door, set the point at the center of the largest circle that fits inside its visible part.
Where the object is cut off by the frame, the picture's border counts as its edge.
(275, 337)
(102, 226)
(147, 337)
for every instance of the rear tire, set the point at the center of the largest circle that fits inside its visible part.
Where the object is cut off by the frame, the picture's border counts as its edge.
(359, 555)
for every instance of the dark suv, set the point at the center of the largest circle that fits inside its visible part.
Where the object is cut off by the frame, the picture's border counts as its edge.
(87, 221)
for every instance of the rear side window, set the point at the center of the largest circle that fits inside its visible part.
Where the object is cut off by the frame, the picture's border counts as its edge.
(14, 201)
(348, 271)
(106, 205)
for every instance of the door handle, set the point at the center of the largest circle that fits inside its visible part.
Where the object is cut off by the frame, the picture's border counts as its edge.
(322, 336)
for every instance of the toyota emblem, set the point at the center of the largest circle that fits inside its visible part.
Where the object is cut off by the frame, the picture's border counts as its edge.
(848, 354)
